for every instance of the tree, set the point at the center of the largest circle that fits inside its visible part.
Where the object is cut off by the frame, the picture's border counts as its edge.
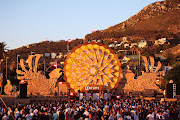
(173, 74)
(2, 48)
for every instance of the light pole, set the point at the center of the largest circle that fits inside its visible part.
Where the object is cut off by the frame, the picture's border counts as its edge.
(68, 46)
(32, 60)
(17, 63)
(139, 63)
(59, 83)
(0, 64)
(92, 30)
(6, 67)
(68, 42)
(44, 66)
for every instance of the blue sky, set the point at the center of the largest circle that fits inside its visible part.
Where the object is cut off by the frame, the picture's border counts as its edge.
(25, 22)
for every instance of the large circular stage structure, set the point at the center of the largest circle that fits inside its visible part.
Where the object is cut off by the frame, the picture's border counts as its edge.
(92, 66)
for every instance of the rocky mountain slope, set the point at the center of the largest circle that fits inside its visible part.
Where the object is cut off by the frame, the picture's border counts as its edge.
(162, 16)
(174, 51)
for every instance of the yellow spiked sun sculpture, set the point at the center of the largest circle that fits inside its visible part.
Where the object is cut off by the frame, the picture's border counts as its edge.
(37, 82)
(92, 64)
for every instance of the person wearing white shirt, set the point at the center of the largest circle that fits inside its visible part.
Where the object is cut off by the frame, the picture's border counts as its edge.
(136, 115)
(118, 115)
(35, 111)
(128, 117)
(5, 117)
(28, 117)
(106, 106)
(111, 117)
(150, 116)
(132, 112)
(86, 113)
(160, 116)
(9, 111)
(17, 114)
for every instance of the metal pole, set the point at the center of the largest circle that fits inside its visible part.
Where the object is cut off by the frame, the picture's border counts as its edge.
(33, 62)
(0, 64)
(17, 63)
(68, 46)
(6, 67)
(44, 66)
(2, 77)
(139, 63)
(58, 88)
(58, 81)
(139, 58)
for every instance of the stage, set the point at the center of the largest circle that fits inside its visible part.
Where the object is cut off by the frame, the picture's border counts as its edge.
(9, 100)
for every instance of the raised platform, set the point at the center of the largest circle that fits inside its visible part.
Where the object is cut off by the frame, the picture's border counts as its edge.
(169, 99)
(149, 98)
(9, 100)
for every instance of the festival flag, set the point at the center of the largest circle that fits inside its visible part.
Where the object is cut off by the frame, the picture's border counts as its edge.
(69, 40)
(92, 30)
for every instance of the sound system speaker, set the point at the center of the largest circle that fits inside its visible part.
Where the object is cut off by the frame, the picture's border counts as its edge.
(23, 90)
(169, 90)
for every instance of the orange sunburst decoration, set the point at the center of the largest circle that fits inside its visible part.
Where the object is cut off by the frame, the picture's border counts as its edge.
(92, 64)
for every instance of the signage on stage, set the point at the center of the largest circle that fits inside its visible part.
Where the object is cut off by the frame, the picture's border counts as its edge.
(92, 88)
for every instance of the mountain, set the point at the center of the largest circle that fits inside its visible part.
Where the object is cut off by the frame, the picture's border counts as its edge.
(174, 51)
(159, 19)
(42, 48)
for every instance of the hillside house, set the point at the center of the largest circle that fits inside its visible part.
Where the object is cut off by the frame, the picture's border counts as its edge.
(118, 44)
(93, 40)
(126, 58)
(161, 41)
(161, 57)
(133, 44)
(47, 54)
(60, 55)
(101, 41)
(125, 39)
(53, 55)
(142, 43)
(167, 68)
(126, 45)
(111, 45)
(30, 45)
(97, 41)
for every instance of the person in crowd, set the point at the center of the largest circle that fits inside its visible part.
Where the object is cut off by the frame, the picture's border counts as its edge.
(5, 117)
(125, 108)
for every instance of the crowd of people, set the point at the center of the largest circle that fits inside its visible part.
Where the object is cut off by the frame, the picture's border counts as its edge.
(122, 109)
